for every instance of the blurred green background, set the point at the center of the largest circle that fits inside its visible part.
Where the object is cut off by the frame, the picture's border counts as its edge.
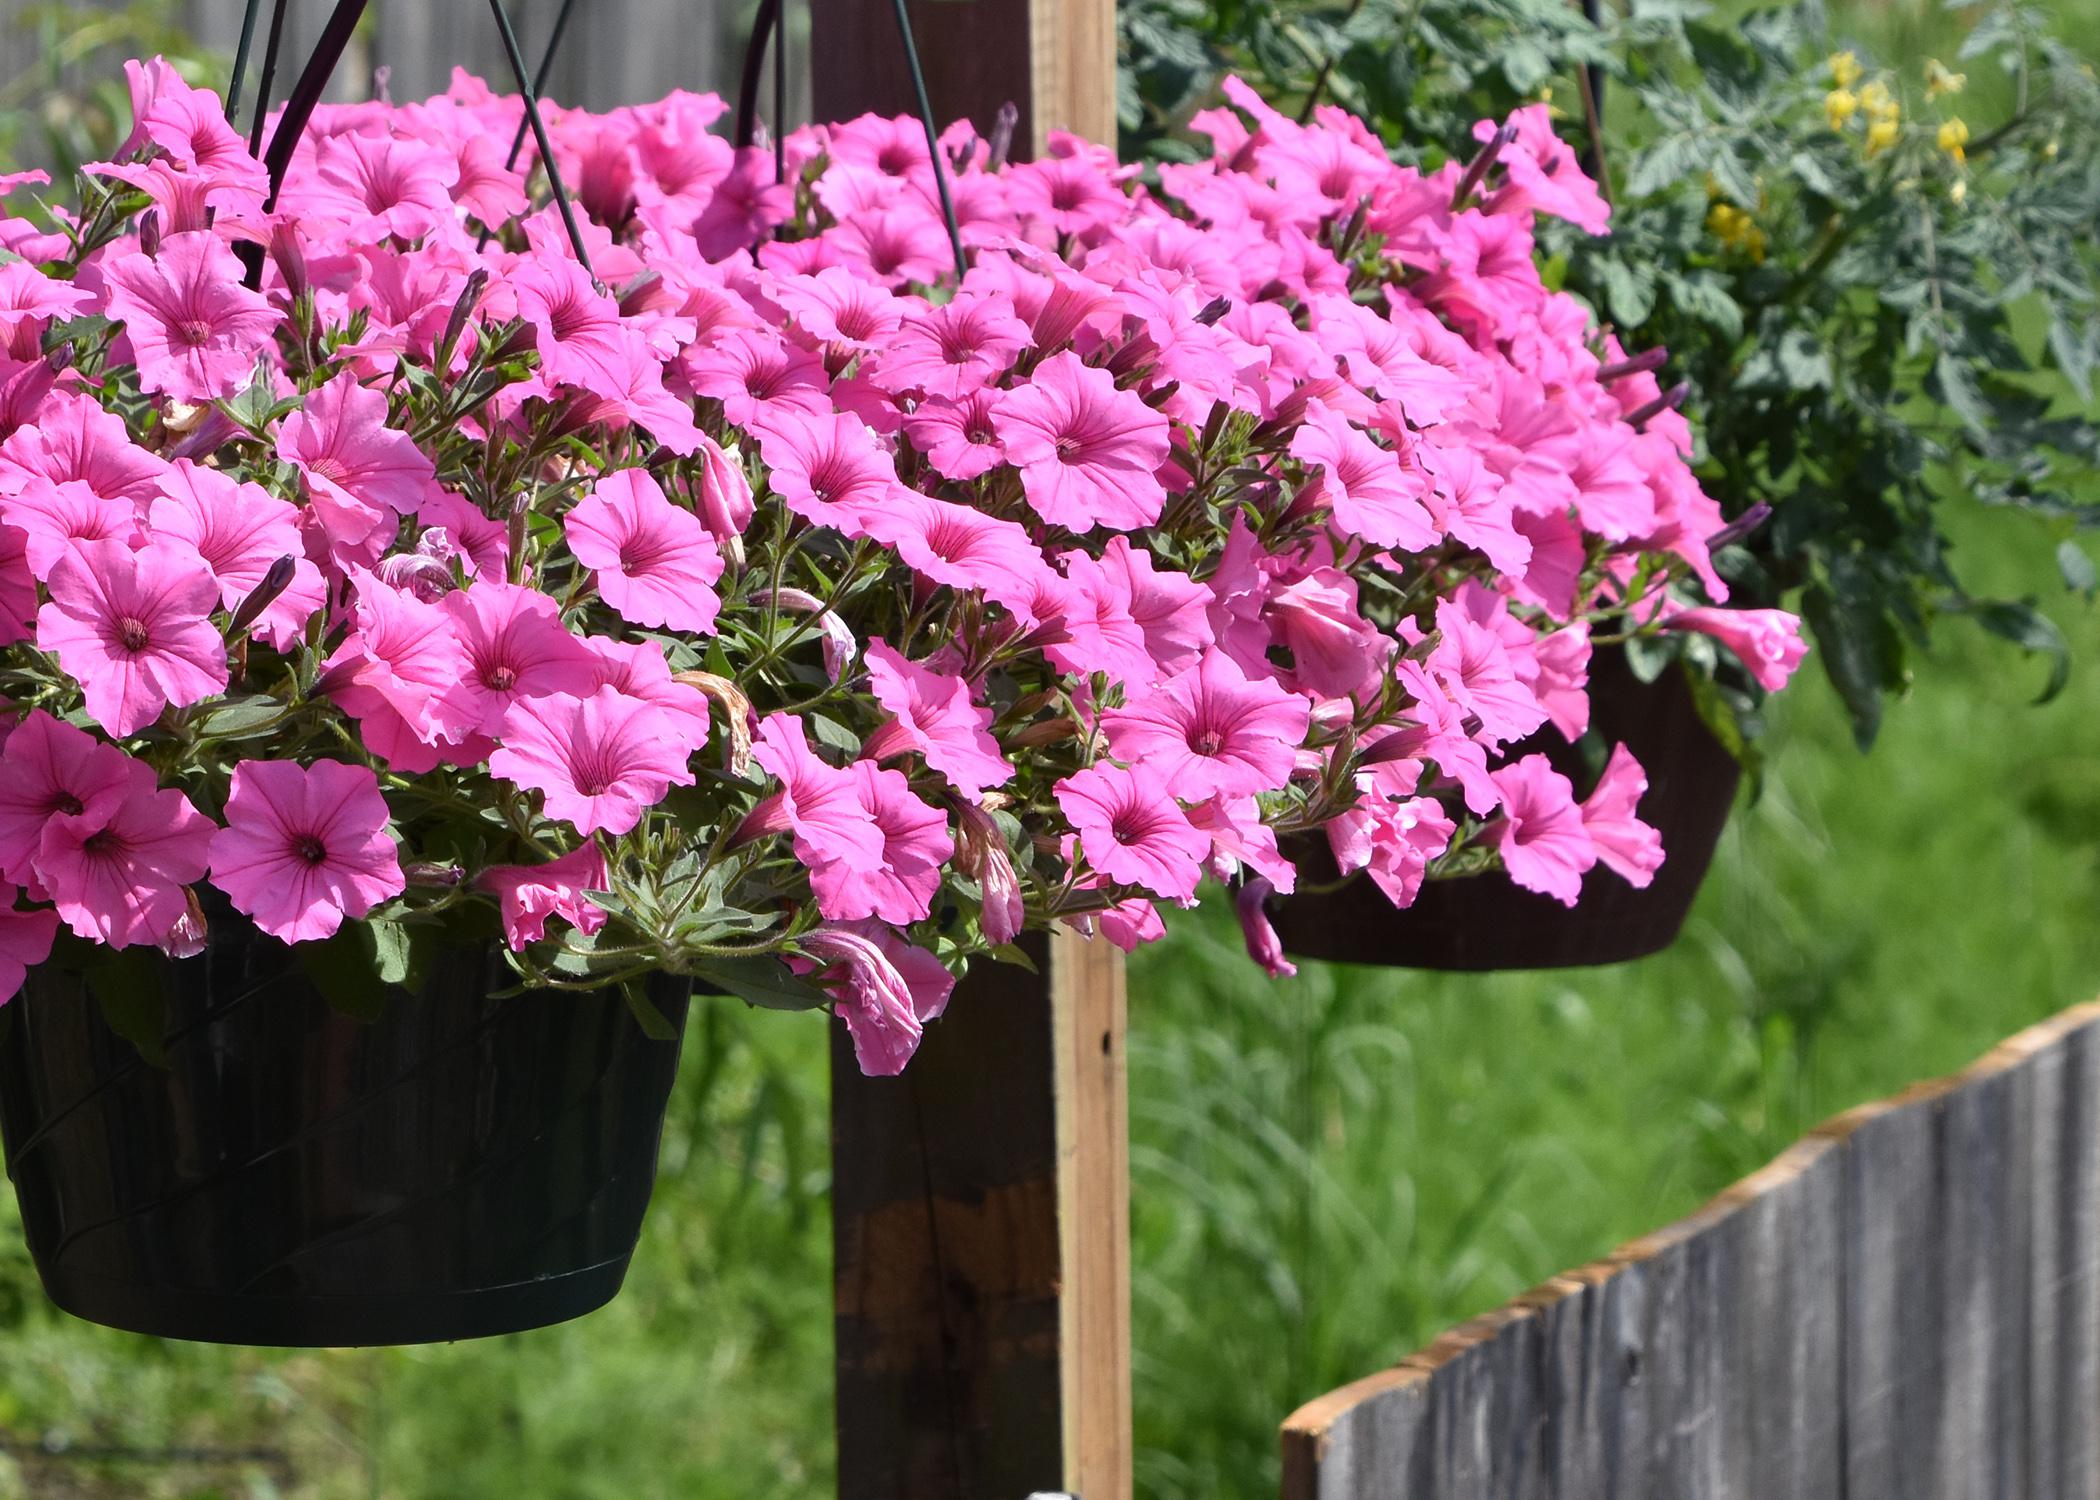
(1326, 1171)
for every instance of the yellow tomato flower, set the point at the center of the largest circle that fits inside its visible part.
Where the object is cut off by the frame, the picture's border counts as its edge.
(1881, 135)
(1959, 193)
(1878, 102)
(1736, 229)
(1953, 136)
(1845, 69)
(1938, 80)
(1840, 105)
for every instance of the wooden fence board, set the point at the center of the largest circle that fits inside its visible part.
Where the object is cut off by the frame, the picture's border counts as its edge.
(1904, 1305)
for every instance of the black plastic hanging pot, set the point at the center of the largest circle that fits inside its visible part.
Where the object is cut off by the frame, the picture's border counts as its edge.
(284, 1173)
(1485, 922)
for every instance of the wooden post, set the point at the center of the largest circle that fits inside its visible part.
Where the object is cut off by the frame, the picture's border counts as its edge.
(1053, 60)
(981, 1202)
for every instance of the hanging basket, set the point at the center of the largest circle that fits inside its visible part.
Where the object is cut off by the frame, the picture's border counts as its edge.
(279, 1172)
(1485, 922)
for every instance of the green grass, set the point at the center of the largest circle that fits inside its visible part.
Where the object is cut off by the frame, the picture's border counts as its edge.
(1325, 1171)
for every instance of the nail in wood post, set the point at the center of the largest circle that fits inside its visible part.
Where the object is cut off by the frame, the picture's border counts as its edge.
(981, 1202)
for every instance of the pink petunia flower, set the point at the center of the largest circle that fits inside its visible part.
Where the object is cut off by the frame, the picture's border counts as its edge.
(1171, 609)
(1335, 651)
(954, 349)
(654, 562)
(527, 895)
(1544, 845)
(195, 331)
(1249, 904)
(829, 470)
(1371, 495)
(1212, 731)
(959, 546)
(722, 496)
(1624, 843)
(837, 310)
(757, 376)
(817, 802)
(1089, 454)
(238, 531)
(884, 989)
(359, 472)
(1474, 666)
(305, 846)
(48, 767)
(54, 518)
(516, 649)
(380, 185)
(117, 869)
(29, 300)
(957, 436)
(402, 674)
(1132, 831)
(73, 438)
(133, 630)
(1767, 641)
(1392, 842)
(25, 942)
(598, 762)
(899, 887)
(934, 715)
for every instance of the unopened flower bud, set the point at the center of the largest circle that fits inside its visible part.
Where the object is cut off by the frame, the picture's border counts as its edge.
(274, 582)
(439, 876)
(1477, 168)
(463, 307)
(1002, 142)
(1740, 527)
(149, 232)
(983, 856)
(1633, 364)
(289, 256)
(1669, 400)
(1263, 946)
(1211, 311)
(722, 497)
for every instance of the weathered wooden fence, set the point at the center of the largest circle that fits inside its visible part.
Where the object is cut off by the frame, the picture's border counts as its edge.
(1904, 1306)
(615, 52)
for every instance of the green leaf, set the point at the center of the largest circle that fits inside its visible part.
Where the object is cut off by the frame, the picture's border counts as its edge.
(655, 1025)
(239, 718)
(1957, 387)
(126, 984)
(340, 967)
(2077, 568)
(1846, 643)
(1629, 291)
(2018, 621)
(761, 980)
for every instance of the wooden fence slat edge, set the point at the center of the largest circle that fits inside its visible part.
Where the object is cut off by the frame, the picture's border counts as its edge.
(1309, 1434)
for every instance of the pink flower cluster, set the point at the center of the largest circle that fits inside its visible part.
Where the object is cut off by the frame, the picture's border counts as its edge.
(763, 592)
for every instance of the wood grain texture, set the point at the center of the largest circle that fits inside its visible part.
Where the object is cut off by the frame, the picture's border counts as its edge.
(1089, 1026)
(616, 51)
(1053, 60)
(1906, 1304)
(946, 1254)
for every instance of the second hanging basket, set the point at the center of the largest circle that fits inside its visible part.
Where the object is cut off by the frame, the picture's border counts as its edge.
(1486, 922)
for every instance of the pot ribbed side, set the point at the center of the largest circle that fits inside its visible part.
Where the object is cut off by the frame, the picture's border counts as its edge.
(287, 1174)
